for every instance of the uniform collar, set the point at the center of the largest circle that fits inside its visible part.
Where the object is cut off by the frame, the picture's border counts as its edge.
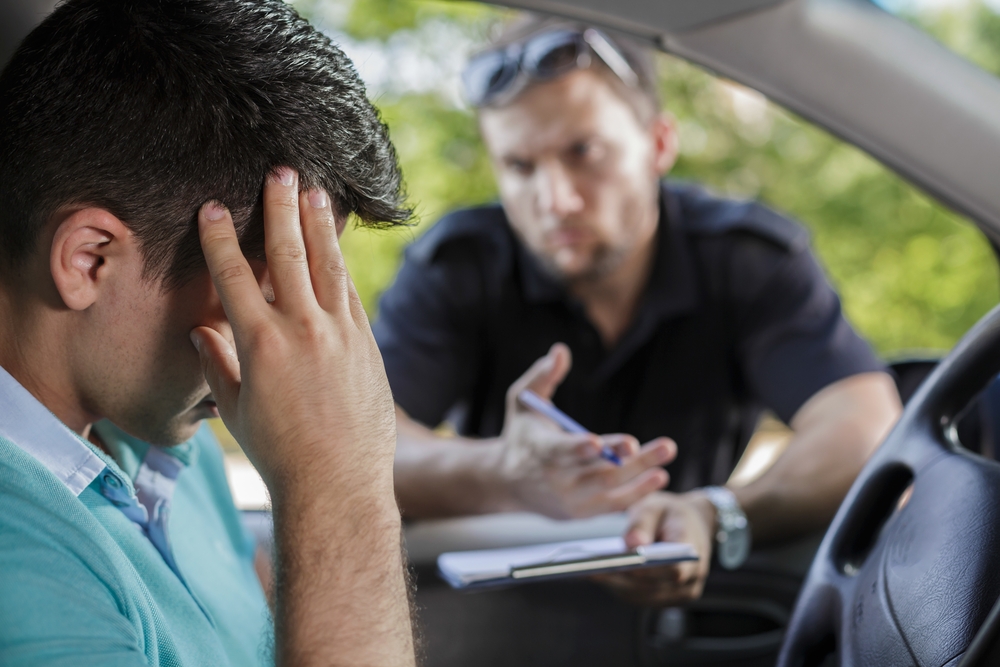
(672, 288)
(538, 284)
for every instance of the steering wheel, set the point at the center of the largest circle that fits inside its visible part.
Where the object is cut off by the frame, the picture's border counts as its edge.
(908, 570)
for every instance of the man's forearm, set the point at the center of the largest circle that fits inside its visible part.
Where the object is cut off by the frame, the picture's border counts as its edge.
(341, 588)
(802, 490)
(440, 476)
(835, 433)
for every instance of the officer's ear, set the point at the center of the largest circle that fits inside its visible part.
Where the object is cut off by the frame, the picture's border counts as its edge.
(663, 132)
(89, 249)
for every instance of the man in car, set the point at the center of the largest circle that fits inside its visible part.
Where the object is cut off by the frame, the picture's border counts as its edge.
(152, 156)
(638, 306)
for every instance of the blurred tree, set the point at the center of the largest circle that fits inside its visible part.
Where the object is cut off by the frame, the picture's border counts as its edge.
(445, 167)
(912, 274)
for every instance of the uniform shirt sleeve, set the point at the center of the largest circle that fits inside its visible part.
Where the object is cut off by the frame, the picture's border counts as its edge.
(428, 331)
(793, 337)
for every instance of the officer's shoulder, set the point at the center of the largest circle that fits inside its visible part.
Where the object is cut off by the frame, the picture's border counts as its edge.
(706, 215)
(464, 232)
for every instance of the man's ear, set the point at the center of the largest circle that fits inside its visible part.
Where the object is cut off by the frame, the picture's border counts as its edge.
(84, 242)
(665, 143)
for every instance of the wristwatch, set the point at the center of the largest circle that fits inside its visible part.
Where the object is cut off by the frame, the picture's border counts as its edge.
(732, 530)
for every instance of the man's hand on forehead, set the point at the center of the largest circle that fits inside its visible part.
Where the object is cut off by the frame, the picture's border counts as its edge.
(303, 390)
(303, 330)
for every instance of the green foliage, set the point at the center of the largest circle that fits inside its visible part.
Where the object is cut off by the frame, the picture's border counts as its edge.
(445, 167)
(911, 273)
(380, 19)
(969, 28)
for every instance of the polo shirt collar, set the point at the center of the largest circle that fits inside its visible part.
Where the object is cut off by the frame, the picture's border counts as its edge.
(74, 461)
(671, 290)
(129, 452)
(77, 463)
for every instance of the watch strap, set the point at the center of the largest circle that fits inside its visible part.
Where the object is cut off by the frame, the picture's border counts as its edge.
(732, 529)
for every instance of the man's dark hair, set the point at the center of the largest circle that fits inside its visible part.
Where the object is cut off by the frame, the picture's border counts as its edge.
(149, 108)
(644, 99)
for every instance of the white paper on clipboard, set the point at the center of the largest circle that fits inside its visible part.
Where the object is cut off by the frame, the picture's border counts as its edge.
(462, 569)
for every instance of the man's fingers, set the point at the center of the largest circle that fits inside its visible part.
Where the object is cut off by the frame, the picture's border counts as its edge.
(545, 383)
(283, 242)
(644, 525)
(543, 376)
(628, 494)
(660, 449)
(622, 444)
(327, 268)
(220, 366)
(584, 451)
(554, 446)
(234, 280)
(655, 454)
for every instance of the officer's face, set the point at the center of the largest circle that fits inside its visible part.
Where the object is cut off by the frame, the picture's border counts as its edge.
(578, 173)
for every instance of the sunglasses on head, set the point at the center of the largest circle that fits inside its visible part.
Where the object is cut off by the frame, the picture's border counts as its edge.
(543, 56)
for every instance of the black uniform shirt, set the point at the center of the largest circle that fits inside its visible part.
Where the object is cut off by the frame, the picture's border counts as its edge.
(737, 316)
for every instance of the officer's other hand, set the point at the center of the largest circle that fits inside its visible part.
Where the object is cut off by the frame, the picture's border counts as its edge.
(561, 474)
(301, 383)
(667, 517)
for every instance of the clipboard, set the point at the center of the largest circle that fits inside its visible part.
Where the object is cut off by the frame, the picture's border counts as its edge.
(540, 562)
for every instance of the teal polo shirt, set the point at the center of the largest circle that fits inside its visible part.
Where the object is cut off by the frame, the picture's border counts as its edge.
(84, 579)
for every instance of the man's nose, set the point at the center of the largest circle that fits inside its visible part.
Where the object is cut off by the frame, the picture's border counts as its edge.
(558, 194)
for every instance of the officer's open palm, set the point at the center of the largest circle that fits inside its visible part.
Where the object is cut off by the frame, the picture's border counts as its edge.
(562, 475)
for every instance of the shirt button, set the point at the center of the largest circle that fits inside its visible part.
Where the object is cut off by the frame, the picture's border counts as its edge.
(112, 481)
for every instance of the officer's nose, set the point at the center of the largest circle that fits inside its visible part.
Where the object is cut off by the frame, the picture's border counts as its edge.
(557, 192)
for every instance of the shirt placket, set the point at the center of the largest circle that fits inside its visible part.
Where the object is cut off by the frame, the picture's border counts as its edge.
(149, 507)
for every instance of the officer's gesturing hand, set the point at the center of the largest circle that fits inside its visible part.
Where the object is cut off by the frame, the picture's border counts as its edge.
(561, 474)
(301, 386)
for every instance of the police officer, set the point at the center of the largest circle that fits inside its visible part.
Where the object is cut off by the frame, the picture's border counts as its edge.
(643, 308)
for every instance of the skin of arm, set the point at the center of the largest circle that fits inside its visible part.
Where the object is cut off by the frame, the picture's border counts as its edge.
(300, 384)
(835, 432)
(533, 465)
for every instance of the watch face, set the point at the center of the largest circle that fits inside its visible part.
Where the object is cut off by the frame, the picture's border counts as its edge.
(733, 551)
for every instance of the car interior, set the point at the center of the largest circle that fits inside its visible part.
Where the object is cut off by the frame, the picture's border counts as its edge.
(906, 574)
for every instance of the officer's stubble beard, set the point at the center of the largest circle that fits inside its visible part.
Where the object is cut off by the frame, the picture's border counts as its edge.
(606, 261)
(608, 258)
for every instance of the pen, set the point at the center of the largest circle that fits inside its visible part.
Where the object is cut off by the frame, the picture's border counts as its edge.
(532, 400)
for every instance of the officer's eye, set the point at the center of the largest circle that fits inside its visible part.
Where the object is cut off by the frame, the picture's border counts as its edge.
(585, 152)
(519, 166)
(581, 149)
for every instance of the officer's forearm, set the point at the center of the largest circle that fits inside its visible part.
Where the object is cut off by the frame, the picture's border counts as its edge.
(835, 433)
(438, 476)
